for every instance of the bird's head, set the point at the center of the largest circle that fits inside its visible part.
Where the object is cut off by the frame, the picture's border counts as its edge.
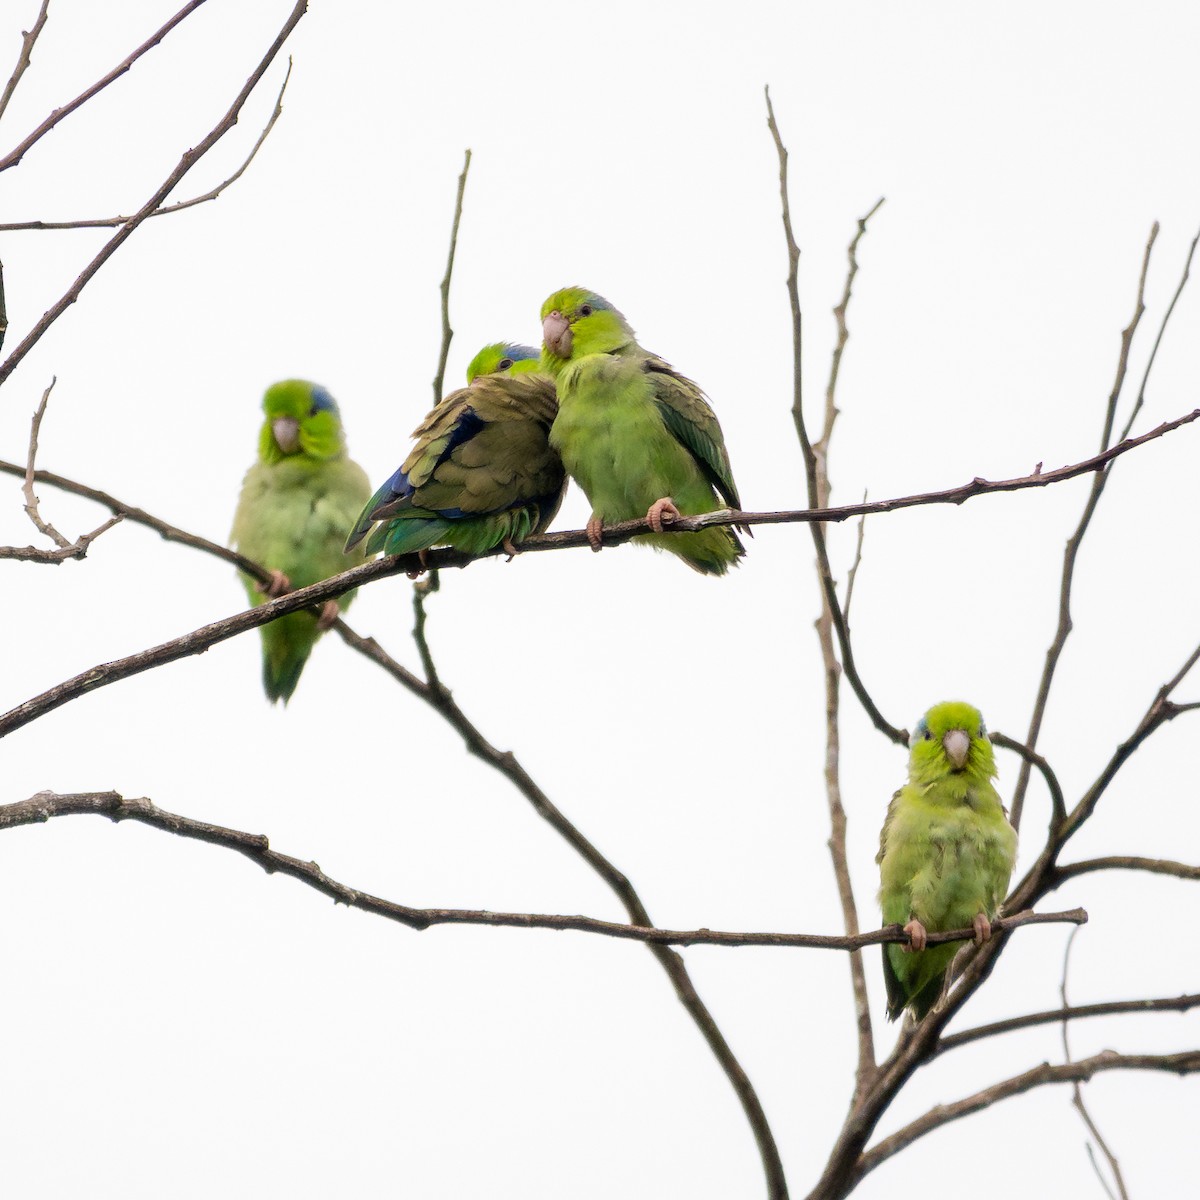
(503, 358)
(576, 322)
(303, 419)
(950, 737)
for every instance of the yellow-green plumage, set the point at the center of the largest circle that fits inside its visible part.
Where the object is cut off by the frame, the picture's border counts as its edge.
(296, 505)
(631, 430)
(481, 472)
(946, 850)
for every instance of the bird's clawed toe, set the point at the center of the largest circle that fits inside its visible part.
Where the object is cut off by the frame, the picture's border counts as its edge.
(916, 934)
(329, 614)
(982, 927)
(595, 531)
(278, 585)
(662, 512)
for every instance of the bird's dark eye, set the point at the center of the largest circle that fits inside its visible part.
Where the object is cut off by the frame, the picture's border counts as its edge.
(504, 364)
(312, 412)
(928, 736)
(585, 310)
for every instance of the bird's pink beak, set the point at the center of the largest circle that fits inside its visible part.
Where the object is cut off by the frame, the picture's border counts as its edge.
(957, 744)
(287, 434)
(556, 331)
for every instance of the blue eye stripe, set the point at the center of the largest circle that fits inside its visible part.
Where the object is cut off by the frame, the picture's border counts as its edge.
(322, 401)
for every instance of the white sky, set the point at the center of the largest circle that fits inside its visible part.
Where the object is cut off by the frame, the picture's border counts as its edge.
(179, 1023)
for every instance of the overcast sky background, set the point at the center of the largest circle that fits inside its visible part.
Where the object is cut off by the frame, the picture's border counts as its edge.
(181, 1024)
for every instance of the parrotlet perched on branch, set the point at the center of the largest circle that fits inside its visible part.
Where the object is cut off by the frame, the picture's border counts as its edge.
(638, 437)
(946, 852)
(296, 504)
(482, 473)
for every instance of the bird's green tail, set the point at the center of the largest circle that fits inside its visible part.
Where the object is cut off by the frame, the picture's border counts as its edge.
(287, 643)
(711, 551)
(914, 980)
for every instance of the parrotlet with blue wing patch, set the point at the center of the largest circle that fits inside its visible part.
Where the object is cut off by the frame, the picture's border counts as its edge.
(638, 437)
(482, 473)
(946, 852)
(296, 504)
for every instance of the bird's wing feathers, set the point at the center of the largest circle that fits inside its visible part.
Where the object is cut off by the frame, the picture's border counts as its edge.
(482, 450)
(692, 422)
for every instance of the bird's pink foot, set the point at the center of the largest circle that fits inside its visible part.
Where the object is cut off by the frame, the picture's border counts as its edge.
(510, 549)
(982, 927)
(421, 555)
(916, 934)
(595, 531)
(662, 512)
(329, 614)
(278, 585)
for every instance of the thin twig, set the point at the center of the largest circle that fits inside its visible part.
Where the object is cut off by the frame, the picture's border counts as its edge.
(447, 332)
(852, 575)
(1077, 1091)
(807, 449)
(1065, 623)
(65, 549)
(1077, 1012)
(25, 57)
(793, 290)
(166, 209)
(45, 806)
(1044, 876)
(816, 479)
(1162, 329)
(1120, 862)
(31, 500)
(1186, 1062)
(420, 590)
(1058, 805)
(185, 164)
(1161, 711)
(13, 157)
(831, 614)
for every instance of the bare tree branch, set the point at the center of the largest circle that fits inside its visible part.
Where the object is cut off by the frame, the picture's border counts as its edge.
(448, 333)
(816, 475)
(1161, 711)
(28, 39)
(1058, 805)
(617, 534)
(1118, 862)
(1162, 329)
(1065, 623)
(1044, 876)
(166, 209)
(831, 613)
(1186, 1062)
(793, 290)
(14, 156)
(852, 574)
(44, 806)
(65, 549)
(1076, 1012)
(1077, 1093)
(185, 164)
(138, 516)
